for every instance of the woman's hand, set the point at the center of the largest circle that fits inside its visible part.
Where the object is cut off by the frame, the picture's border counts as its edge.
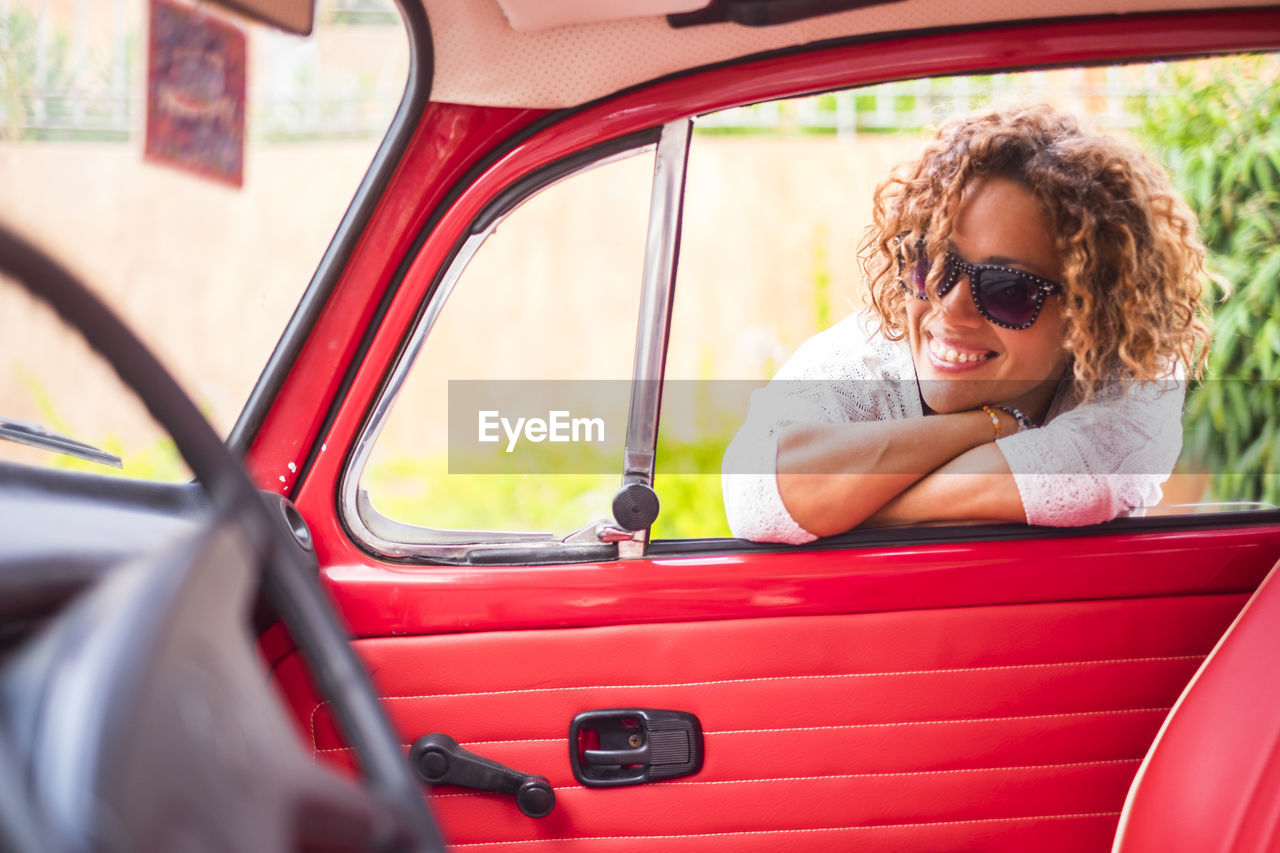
(975, 486)
(832, 477)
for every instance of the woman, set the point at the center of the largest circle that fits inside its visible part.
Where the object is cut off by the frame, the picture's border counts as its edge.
(1035, 304)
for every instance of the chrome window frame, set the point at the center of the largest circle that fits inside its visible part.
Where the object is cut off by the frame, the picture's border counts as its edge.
(600, 540)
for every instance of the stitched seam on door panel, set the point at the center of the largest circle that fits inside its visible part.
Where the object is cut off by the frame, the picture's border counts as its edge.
(874, 826)
(765, 780)
(1111, 762)
(466, 743)
(1111, 712)
(964, 720)
(787, 678)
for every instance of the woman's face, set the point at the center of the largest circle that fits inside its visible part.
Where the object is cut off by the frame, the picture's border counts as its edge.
(964, 361)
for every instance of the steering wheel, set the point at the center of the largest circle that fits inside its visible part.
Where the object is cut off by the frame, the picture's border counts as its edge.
(140, 718)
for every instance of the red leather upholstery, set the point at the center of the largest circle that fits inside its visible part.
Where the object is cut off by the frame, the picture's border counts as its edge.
(1013, 727)
(1211, 783)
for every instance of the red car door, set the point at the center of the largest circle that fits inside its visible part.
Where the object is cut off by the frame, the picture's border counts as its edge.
(971, 687)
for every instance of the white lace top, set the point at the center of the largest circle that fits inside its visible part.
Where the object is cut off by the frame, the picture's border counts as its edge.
(1087, 464)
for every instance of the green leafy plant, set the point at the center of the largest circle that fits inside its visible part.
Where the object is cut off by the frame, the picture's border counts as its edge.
(1220, 137)
(37, 80)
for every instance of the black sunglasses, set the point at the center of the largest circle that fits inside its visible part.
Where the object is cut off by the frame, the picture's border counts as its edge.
(1006, 296)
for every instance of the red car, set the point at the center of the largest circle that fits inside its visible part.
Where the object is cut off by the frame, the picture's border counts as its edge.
(176, 679)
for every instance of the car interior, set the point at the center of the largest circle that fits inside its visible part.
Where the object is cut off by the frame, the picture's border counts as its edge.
(295, 645)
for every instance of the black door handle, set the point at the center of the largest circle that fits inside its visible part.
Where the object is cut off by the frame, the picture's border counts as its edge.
(616, 757)
(439, 760)
(631, 746)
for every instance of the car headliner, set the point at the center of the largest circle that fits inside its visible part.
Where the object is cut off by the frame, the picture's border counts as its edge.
(480, 59)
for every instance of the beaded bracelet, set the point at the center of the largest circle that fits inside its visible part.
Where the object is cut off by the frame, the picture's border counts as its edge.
(995, 420)
(1024, 422)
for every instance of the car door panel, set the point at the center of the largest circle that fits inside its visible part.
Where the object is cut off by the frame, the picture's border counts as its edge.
(1005, 727)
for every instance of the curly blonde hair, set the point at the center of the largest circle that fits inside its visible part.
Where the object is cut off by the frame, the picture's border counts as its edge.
(1134, 264)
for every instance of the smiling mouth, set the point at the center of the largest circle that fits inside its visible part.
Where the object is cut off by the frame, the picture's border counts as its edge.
(950, 355)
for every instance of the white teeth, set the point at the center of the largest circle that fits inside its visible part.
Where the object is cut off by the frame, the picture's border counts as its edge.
(952, 356)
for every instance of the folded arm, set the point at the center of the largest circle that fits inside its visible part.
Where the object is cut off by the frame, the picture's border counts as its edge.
(805, 462)
(975, 486)
(832, 477)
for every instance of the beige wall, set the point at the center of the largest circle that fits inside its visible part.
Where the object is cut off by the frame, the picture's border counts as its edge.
(207, 275)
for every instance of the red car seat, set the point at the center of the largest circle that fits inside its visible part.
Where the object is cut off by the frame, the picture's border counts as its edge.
(1211, 781)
